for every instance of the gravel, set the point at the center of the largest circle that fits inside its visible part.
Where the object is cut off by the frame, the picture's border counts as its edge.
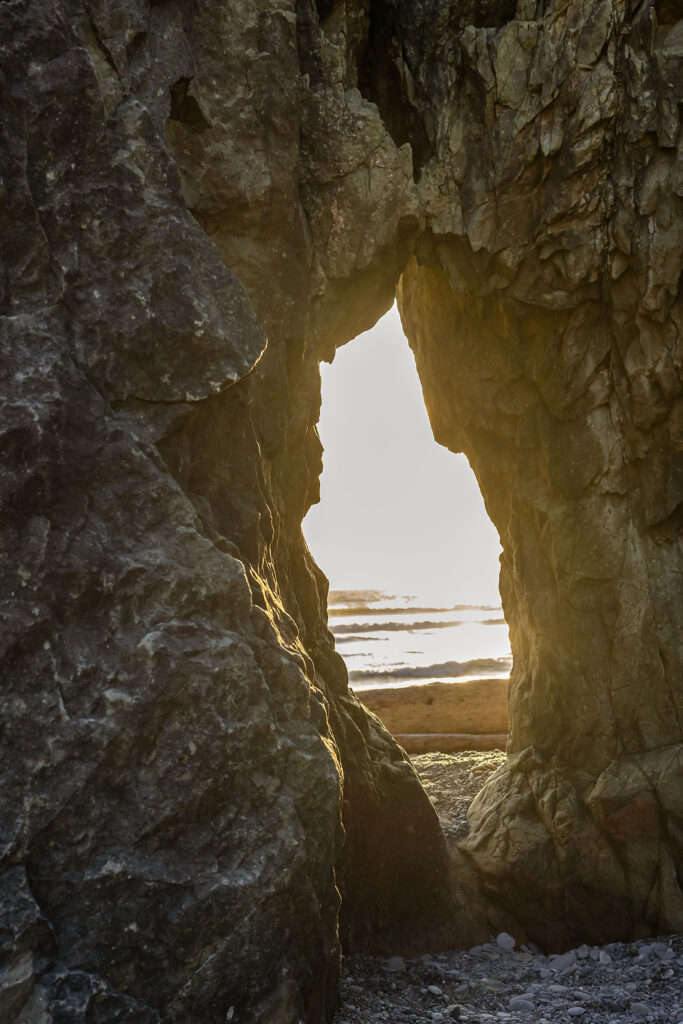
(452, 781)
(487, 984)
(495, 983)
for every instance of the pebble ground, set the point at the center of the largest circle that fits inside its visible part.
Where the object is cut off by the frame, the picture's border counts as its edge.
(619, 983)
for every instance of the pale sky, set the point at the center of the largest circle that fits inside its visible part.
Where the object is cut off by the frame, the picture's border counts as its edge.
(398, 512)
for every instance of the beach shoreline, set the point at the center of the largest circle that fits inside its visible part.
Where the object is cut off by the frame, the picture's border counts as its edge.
(443, 716)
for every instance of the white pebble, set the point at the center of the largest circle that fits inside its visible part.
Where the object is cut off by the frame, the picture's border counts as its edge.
(505, 942)
(521, 1005)
(563, 961)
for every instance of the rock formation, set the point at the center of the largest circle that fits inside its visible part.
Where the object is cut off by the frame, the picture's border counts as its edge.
(545, 315)
(199, 202)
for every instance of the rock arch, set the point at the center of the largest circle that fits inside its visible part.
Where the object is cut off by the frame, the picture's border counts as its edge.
(187, 777)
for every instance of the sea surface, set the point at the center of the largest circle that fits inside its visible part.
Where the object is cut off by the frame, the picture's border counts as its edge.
(402, 641)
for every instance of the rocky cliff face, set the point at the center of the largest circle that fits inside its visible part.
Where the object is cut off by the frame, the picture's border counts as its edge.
(200, 201)
(545, 315)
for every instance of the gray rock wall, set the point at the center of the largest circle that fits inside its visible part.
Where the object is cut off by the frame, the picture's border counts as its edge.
(187, 781)
(200, 201)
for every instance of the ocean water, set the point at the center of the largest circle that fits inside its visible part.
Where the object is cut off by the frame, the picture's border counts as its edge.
(401, 641)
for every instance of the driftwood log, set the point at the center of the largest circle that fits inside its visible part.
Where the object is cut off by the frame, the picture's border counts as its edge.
(450, 742)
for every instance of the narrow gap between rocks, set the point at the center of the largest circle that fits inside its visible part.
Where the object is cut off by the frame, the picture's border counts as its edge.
(402, 533)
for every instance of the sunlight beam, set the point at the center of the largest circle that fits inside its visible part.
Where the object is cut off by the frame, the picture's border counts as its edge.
(398, 512)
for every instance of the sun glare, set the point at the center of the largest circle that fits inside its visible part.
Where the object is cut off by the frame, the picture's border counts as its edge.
(398, 513)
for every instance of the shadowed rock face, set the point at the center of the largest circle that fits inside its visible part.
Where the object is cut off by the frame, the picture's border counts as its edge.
(199, 202)
(187, 781)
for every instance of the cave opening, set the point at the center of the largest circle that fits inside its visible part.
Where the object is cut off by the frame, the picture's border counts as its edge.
(412, 557)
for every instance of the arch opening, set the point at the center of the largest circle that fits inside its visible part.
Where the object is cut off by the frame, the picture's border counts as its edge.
(412, 557)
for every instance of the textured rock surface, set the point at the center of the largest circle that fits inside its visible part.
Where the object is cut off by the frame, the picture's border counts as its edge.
(175, 719)
(187, 780)
(545, 315)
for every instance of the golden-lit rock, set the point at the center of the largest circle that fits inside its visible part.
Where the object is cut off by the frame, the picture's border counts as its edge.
(546, 331)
